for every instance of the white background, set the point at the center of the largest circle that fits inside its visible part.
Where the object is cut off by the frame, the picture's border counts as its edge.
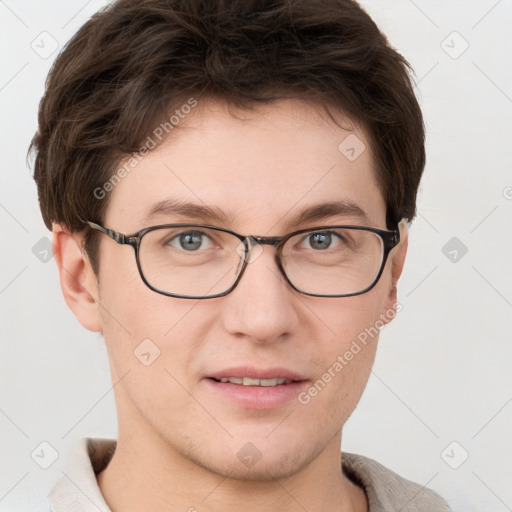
(443, 369)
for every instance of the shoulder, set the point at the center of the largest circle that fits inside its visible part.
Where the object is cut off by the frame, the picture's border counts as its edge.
(78, 490)
(386, 490)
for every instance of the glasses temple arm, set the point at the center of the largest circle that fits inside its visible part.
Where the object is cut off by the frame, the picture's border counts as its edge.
(117, 237)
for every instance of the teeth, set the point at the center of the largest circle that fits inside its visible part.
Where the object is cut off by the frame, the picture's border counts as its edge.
(248, 381)
(273, 382)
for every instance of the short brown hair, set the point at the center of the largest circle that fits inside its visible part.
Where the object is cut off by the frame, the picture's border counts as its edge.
(135, 61)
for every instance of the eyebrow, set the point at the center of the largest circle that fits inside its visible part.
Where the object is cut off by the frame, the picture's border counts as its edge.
(213, 214)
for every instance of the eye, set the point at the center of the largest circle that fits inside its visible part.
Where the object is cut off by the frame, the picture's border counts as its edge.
(191, 241)
(322, 240)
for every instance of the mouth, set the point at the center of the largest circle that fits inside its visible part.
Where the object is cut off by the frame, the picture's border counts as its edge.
(250, 381)
(251, 388)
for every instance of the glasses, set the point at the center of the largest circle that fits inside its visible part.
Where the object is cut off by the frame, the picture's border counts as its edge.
(192, 261)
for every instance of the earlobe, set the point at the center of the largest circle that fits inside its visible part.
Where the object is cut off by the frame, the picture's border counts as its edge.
(77, 279)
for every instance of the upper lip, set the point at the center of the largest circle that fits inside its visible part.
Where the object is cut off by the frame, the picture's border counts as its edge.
(256, 373)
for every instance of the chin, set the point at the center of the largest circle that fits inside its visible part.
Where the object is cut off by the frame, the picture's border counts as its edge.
(247, 458)
(266, 469)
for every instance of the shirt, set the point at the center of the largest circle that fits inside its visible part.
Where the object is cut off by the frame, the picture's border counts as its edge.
(78, 490)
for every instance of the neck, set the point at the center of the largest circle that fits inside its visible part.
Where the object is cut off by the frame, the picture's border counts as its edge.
(149, 475)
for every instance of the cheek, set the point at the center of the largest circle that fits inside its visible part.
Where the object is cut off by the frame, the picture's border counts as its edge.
(152, 342)
(345, 358)
(353, 319)
(138, 321)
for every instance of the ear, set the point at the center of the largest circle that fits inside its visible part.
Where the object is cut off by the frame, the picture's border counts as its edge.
(77, 279)
(397, 265)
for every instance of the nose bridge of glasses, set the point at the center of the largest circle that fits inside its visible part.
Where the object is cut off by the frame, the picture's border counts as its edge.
(252, 247)
(255, 242)
(264, 240)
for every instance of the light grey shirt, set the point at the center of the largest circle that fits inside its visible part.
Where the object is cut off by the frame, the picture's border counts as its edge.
(78, 491)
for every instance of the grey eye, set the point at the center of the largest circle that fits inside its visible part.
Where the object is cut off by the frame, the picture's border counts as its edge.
(191, 241)
(324, 240)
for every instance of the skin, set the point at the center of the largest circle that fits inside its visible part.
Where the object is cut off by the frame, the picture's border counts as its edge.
(178, 441)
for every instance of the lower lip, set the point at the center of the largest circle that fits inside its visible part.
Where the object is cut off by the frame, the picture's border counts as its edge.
(258, 397)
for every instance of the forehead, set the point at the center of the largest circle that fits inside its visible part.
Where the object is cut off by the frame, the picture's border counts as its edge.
(258, 169)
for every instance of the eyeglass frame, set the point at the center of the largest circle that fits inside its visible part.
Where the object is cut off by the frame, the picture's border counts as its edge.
(390, 239)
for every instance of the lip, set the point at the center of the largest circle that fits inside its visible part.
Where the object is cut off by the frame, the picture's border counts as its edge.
(257, 397)
(255, 373)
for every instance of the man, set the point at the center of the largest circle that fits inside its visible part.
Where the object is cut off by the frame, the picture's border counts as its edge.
(262, 159)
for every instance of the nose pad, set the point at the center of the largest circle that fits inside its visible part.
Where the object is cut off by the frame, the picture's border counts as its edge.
(255, 249)
(249, 250)
(241, 250)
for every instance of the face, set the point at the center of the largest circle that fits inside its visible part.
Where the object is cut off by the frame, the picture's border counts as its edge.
(261, 169)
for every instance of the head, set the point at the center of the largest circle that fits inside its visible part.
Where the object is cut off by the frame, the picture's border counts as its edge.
(258, 111)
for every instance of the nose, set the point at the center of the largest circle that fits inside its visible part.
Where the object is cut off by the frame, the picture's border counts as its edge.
(263, 306)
